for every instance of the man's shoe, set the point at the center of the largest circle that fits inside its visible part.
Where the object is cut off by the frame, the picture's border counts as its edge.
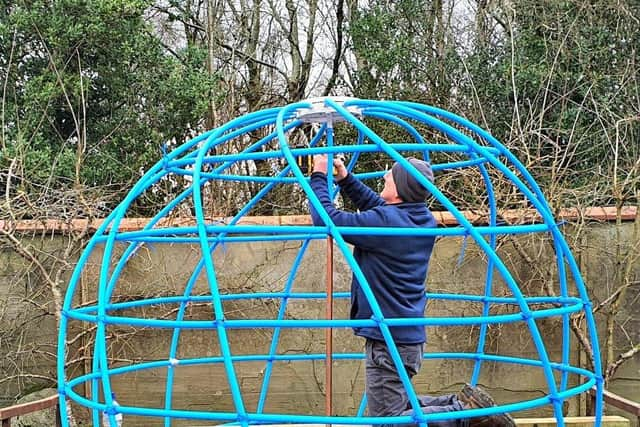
(473, 398)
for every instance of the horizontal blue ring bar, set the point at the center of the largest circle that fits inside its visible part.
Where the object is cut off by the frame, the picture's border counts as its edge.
(459, 164)
(336, 149)
(317, 419)
(224, 239)
(319, 295)
(321, 323)
(505, 300)
(437, 167)
(294, 180)
(247, 178)
(151, 412)
(501, 408)
(270, 418)
(513, 407)
(308, 230)
(321, 356)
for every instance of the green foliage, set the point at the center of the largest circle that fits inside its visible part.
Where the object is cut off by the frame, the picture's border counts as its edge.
(94, 68)
(575, 70)
(401, 53)
(555, 81)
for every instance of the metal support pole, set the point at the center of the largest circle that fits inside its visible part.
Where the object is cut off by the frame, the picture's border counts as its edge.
(58, 416)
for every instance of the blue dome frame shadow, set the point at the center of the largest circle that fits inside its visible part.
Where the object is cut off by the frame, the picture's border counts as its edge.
(197, 159)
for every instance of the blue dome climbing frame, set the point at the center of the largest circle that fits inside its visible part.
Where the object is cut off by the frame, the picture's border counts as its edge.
(200, 160)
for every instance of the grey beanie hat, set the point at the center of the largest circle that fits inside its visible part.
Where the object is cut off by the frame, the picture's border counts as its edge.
(408, 188)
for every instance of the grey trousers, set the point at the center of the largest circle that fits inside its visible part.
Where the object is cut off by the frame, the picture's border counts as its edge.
(386, 396)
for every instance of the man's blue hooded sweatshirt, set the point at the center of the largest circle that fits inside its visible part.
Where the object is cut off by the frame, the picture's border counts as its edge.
(395, 266)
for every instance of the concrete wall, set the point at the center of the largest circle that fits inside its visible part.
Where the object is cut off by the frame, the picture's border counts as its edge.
(299, 386)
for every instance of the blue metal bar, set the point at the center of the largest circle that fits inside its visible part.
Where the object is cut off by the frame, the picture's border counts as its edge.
(321, 323)
(566, 329)
(489, 276)
(578, 371)
(362, 281)
(192, 280)
(292, 180)
(545, 400)
(482, 150)
(461, 138)
(558, 240)
(276, 331)
(420, 144)
(198, 269)
(305, 231)
(147, 181)
(225, 134)
(537, 198)
(150, 179)
(311, 150)
(317, 295)
(210, 271)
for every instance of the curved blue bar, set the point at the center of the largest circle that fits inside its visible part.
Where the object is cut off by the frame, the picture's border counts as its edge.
(350, 356)
(204, 159)
(305, 231)
(338, 356)
(336, 149)
(499, 265)
(321, 323)
(317, 295)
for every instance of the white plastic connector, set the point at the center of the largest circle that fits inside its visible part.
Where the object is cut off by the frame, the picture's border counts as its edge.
(321, 113)
(174, 362)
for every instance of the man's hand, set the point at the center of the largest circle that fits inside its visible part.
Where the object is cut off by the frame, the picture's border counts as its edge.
(340, 170)
(320, 162)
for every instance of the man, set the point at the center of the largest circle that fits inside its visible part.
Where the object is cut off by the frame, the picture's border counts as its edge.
(395, 268)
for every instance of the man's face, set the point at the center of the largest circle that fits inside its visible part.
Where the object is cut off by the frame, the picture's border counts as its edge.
(389, 193)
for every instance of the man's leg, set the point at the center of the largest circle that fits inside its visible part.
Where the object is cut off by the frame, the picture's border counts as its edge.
(444, 400)
(437, 404)
(386, 395)
(436, 409)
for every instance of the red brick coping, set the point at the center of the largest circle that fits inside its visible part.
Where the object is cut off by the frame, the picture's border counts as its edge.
(515, 216)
